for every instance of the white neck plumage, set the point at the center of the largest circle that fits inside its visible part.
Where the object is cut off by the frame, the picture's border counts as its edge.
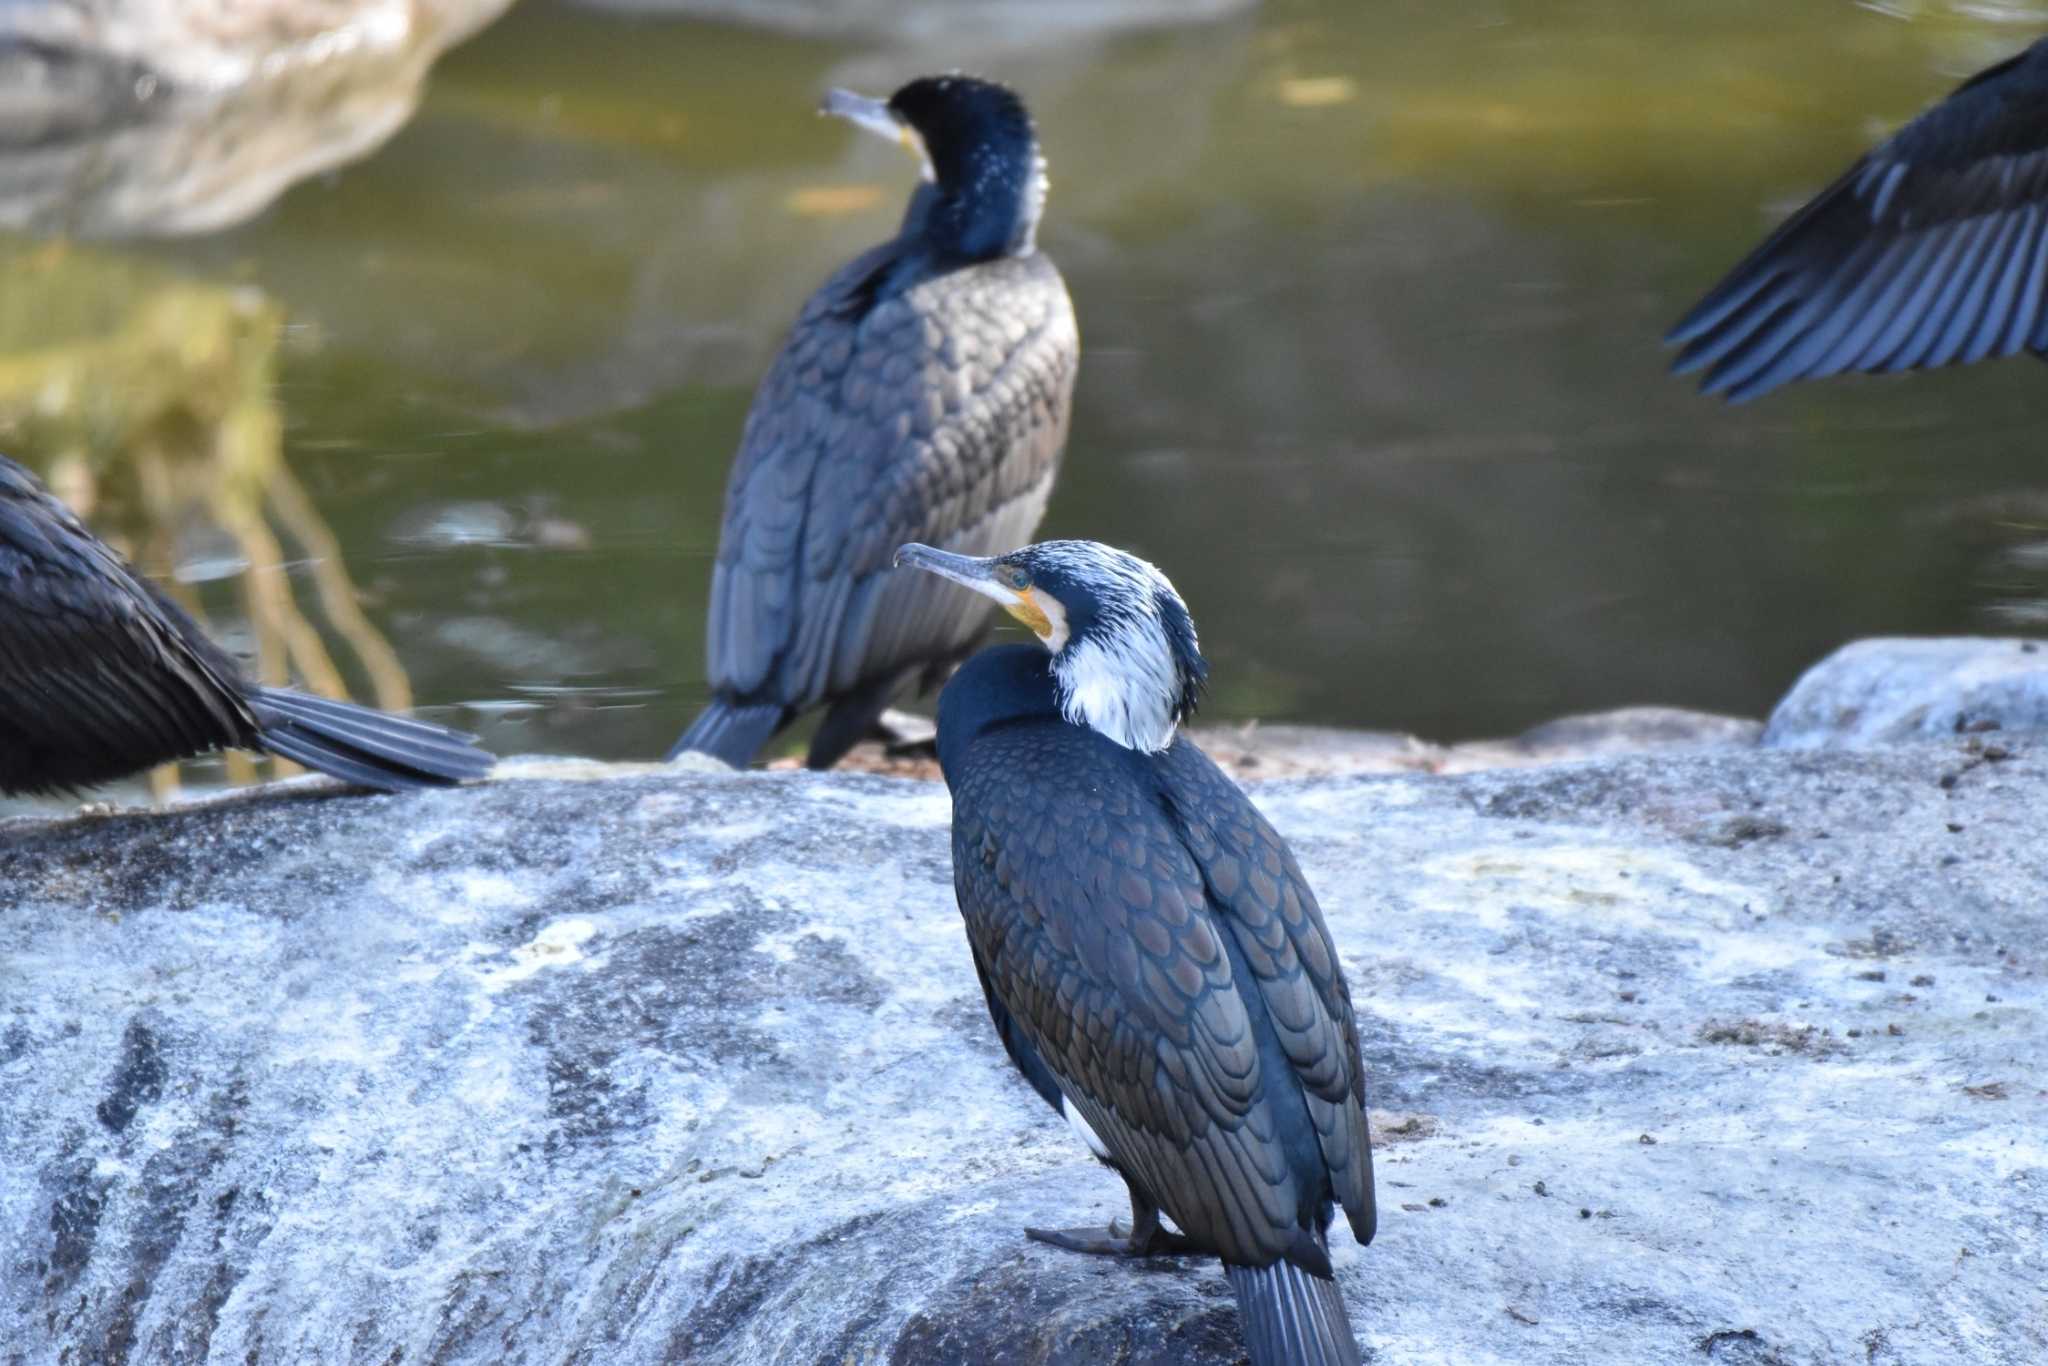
(1123, 684)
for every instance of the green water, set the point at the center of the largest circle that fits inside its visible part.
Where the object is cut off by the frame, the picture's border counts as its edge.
(1370, 297)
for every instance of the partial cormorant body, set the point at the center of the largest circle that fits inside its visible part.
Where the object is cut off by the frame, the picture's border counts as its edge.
(102, 676)
(922, 395)
(1932, 250)
(1152, 957)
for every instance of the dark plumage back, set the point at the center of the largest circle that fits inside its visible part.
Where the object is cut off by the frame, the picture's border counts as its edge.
(923, 395)
(101, 676)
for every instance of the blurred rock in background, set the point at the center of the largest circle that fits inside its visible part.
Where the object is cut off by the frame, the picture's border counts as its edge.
(124, 117)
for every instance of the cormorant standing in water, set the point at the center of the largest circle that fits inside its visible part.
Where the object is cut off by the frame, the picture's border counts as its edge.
(1931, 250)
(1153, 959)
(101, 676)
(922, 395)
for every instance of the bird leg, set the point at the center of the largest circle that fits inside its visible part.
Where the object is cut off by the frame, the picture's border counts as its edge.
(1146, 1238)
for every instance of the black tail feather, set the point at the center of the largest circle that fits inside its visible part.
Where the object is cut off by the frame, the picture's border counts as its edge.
(358, 745)
(1292, 1317)
(731, 732)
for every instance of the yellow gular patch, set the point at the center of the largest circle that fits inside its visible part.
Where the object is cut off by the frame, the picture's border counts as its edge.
(1044, 615)
(1025, 609)
(913, 141)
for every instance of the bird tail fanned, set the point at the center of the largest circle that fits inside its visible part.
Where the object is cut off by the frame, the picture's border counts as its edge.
(731, 732)
(1292, 1317)
(358, 745)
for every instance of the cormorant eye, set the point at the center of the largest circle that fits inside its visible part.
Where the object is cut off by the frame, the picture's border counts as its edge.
(1016, 578)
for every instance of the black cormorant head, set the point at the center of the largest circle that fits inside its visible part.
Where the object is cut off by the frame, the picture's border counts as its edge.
(976, 145)
(1125, 660)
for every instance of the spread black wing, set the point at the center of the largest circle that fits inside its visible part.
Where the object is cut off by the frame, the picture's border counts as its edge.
(1932, 250)
(936, 415)
(98, 676)
(1173, 975)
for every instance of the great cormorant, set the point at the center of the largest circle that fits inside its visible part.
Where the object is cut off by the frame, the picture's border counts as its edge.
(1153, 959)
(101, 676)
(922, 395)
(1931, 250)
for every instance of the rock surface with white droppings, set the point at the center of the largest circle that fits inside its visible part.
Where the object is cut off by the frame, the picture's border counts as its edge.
(1722, 1058)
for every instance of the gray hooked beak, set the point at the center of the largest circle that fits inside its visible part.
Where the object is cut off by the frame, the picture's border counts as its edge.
(965, 570)
(875, 116)
(980, 575)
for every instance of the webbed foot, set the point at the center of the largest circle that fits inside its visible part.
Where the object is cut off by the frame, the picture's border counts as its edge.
(1115, 1241)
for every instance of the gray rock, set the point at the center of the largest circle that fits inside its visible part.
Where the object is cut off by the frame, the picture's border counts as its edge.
(1266, 749)
(1606, 735)
(219, 45)
(1637, 730)
(1260, 750)
(1290, 751)
(1724, 1058)
(159, 117)
(1888, 690)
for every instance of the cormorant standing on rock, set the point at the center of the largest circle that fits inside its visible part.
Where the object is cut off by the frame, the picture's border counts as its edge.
(1153, 959)
(101, 676)
(1931, 250)
(922, 395)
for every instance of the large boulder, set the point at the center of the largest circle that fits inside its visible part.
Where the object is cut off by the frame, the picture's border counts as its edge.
(1730, 1058)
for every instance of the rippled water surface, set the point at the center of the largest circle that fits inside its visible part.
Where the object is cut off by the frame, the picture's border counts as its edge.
(1370, 298)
